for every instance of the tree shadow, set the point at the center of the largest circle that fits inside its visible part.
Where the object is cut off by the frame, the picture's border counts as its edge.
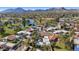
(57, 47)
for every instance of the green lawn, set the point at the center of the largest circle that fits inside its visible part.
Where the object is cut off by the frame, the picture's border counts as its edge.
(9, 31)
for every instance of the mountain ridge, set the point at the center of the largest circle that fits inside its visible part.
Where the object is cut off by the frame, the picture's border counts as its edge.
(16, 10)
(21, 10)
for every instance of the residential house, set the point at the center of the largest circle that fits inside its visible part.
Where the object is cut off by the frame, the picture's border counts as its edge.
(5, 46)
(51, 28)
(76, 28)
(30, 22)
(24, 34)
(49, 37)
(39, 28)
(30, 30)
(39, 42)
(10, 45)
(1, 23)
(62, 22)
(21, 33)
(76, 38)
(11, 21)
(43, 33)
(76, 41)
(53, 37)
(11, 37)
(28, 34)
(46, 40)
(2, 44)
(60, 31)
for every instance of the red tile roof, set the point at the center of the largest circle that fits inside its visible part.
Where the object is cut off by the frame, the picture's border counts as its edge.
(11, 37)
(53, 36)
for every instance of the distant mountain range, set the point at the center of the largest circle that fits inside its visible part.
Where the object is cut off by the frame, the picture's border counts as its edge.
(21, 10)
(17, 10)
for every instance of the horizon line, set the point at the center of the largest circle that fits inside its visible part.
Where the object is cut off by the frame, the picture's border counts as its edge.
(35, 8)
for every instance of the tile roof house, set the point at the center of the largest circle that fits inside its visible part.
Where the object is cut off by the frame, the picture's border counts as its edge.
(50, 36)
(29, 29)
(45, 33)
(76, 28)
(53, 37)
(76, 38)
(11, 37)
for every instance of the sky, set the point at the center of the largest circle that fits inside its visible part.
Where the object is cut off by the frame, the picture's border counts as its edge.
(34, 8)
(26, 8)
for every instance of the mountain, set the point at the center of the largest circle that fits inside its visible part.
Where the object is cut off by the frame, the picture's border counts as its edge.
(56, 8)
(16, 10)
(21, 10)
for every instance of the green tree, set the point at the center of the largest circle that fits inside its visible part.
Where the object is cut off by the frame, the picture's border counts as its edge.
(24, 22)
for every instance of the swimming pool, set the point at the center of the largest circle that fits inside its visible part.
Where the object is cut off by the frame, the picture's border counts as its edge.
(76, 48)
